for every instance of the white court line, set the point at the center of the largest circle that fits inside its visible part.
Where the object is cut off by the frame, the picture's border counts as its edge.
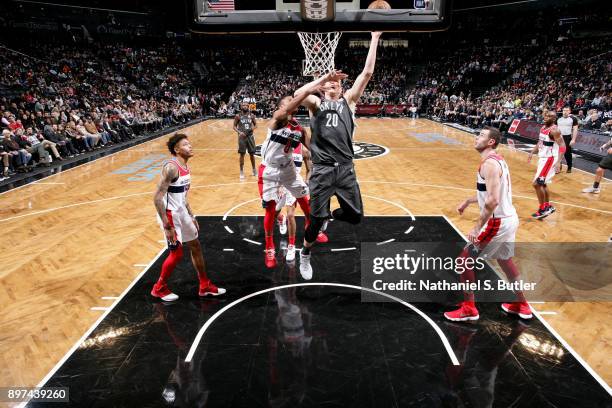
(236, 206)
(46, 183)
(80, 166)
(109, 297)
(343, 249)
(140, 265)
(554, 332)
(401, 183)
(228, 249)
(228, 229)
(385, 242)
(103, 200)
(98, 308)
(536, 302)
(161, 241)
(93, 326)
(407, 211)
(519, 150)
(546, 313)
(409, 229)
(251, 241)
(214, 317)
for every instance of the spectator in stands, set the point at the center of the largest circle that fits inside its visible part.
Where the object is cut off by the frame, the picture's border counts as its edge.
(92, 139)
(594, 121)
(41, 146)
(20, 156)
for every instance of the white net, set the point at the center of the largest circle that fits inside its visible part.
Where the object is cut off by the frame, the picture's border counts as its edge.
(320, 49)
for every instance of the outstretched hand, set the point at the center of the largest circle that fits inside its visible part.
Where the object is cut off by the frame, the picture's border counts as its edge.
(336, 75)
(376, 35)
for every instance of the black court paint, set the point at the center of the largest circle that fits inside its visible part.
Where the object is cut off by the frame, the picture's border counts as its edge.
(313, 346)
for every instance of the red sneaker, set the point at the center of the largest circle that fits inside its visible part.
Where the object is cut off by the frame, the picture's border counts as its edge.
(464, 313)
(518, 308)
(322, 238)
(270, 258)
(163, 292)
(209, 289)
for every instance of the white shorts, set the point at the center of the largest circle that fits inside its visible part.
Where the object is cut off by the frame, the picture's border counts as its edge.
(496, 238)
(546, 169)
(285, 199)
(271, 179)
(183, 225)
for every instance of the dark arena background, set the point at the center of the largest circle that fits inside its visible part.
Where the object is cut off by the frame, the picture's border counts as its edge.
(91, 93)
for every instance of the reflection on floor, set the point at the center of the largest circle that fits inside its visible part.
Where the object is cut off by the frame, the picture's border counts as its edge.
(315, 345)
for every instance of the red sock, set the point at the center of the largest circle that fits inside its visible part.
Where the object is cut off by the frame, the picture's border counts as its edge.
(511, 271)
(292, 240)
(169, 264)
(305, 206)
(270, 242)
(269, 223)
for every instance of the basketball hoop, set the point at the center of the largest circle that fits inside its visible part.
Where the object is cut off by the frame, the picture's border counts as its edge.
(320, 49)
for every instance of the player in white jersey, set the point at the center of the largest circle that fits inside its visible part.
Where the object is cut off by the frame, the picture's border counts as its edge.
(301, 158)
(277, 168)
(494, 234)
(549, 147)
(177, 220)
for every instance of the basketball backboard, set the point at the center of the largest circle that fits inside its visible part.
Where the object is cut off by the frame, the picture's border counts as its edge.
(235, 16)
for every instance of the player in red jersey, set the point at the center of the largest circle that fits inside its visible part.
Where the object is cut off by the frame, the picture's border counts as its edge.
(176, 218)
(549, 148)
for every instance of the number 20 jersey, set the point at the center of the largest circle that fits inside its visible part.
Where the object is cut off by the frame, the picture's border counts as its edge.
(332, 127)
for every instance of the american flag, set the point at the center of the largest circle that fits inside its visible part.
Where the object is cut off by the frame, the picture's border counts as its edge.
(221, 5)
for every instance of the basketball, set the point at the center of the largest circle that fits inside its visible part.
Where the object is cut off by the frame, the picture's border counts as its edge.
(379, 4)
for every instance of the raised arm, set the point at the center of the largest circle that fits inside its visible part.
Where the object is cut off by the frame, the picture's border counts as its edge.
(353, 94)
(307, 90)
(311, 102)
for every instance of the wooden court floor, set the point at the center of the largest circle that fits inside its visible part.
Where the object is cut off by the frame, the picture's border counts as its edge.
(73, 242)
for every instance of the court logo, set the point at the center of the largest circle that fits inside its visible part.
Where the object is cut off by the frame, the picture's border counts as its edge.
(361, 150)
(364, 150)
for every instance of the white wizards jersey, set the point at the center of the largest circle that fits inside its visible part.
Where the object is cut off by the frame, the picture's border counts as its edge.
(176, 197)
(277, 150)
(298, 158)
(504, 208)
(547, 147)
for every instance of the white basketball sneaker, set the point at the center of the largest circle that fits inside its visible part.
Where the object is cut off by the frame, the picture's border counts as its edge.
(592, 190)
(290, 253)
(305, 267)
(282, 224)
